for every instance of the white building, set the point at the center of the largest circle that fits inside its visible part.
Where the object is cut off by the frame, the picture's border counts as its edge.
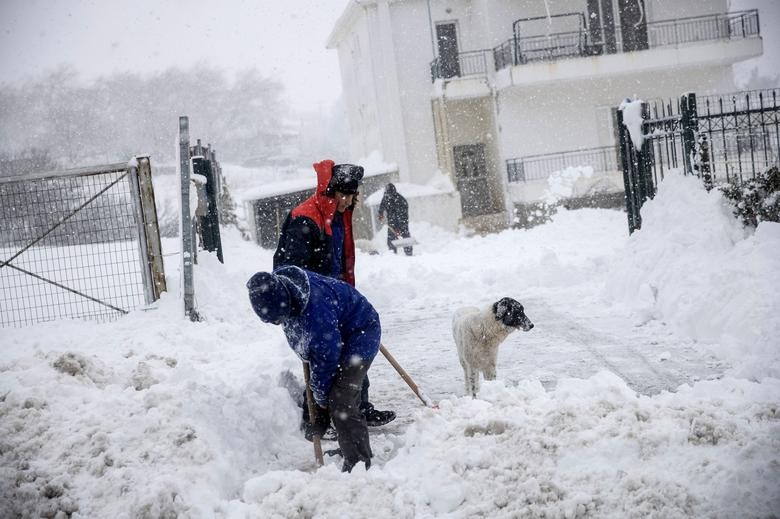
(493, 93)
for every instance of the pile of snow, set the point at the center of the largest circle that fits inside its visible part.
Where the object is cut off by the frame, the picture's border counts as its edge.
(153, 415)
(693, 266)
(561, 184)
(632, 120)
(589, 448)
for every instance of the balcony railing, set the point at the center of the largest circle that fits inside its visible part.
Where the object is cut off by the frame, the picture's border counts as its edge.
(472, 63)
(663, 33)
(538, 167)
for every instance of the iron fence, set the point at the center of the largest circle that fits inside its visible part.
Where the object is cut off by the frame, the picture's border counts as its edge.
(79, 243)
(722, 139)
(663, 33)
(536, 167)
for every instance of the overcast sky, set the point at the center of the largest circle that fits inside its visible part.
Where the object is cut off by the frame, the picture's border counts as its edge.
(281, 38)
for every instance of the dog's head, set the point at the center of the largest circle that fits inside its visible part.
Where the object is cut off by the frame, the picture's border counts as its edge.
(511, 313)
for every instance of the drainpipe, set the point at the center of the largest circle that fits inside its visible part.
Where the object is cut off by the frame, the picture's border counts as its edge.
(430, 30)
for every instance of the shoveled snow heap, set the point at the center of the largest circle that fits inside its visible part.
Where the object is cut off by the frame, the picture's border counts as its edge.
(154, 416)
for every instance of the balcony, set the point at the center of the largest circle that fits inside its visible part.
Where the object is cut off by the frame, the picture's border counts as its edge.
(463, 64)
(664, 34)
(584, 173)
(602, 160)
(464, 75)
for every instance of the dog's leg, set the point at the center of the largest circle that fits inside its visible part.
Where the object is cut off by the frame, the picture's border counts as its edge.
(490, 372)
(474, 382)
(467, 371)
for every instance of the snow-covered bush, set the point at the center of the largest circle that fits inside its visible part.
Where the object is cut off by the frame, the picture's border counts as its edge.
(756, 200)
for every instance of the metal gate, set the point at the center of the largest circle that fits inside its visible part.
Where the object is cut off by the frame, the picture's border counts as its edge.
(81, 243)
(721, 139)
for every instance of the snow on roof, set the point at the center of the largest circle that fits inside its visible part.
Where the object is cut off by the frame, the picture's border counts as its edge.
(407, 190)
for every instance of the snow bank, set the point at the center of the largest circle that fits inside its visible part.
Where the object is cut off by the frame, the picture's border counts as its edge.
(693, 266)
(590, 448)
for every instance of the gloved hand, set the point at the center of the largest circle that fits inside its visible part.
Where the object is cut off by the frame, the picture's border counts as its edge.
(320, 425)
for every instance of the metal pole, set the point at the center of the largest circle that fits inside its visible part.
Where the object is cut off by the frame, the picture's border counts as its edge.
(312, 415)
(187, 242)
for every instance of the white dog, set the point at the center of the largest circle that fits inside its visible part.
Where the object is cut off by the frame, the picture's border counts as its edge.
(479, 332)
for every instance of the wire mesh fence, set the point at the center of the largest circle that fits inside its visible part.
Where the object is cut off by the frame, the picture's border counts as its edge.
(72, 245)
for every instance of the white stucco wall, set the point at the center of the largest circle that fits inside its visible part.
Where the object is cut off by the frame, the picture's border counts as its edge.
(359, 89)
(559, 117)
(414, 53)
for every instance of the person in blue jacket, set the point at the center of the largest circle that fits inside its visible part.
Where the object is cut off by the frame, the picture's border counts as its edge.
(334, 328)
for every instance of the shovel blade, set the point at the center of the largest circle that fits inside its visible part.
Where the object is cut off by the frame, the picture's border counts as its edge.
(404, 242)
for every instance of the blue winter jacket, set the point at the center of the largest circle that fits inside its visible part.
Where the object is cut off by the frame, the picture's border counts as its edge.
(336, 325)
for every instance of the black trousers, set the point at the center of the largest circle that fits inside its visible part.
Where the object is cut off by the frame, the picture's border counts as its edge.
(364, 403)
(350, 424)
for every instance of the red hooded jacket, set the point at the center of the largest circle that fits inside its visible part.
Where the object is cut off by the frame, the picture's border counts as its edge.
(306, 237)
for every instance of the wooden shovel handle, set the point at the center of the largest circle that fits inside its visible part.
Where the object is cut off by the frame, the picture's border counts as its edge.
(404, 375)
(312, 415)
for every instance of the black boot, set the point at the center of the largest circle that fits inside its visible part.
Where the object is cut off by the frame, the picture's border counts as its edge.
(309, 430)
(376, 418)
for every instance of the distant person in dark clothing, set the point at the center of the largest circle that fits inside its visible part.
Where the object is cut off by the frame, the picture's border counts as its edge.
(395, 206)
(334, 329)
(317, 236)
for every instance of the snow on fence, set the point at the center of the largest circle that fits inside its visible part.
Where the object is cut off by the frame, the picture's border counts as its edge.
(722, 139)
(79, 243)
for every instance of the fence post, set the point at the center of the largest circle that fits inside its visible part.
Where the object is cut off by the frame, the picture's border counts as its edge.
(208, 221)
(629, 184)
(143, 253)
(703, 165)
(187, 242)
(645, 164)
(689, 120)
(151, 229)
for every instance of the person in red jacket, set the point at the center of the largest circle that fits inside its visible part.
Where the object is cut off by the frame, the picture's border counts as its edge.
(317, 236)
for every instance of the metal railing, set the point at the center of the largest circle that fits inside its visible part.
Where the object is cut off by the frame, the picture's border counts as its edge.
(537, 167)
(471, 63)
(663, 33)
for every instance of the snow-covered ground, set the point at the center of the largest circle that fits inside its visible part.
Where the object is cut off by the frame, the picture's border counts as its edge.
(649, 387)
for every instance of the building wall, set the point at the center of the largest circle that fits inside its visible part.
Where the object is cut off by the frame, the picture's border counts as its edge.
(385, 59)
(530, 119)
(385, 68)
(359, 85)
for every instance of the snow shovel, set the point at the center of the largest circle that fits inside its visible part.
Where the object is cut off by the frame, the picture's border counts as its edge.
(400, 241)
(422, 396)
(312, 415)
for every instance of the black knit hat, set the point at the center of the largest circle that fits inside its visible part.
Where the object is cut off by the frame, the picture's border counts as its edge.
(345, 179)
(269, 297)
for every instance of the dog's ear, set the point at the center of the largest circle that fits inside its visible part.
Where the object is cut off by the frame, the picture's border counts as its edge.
(499, 309)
